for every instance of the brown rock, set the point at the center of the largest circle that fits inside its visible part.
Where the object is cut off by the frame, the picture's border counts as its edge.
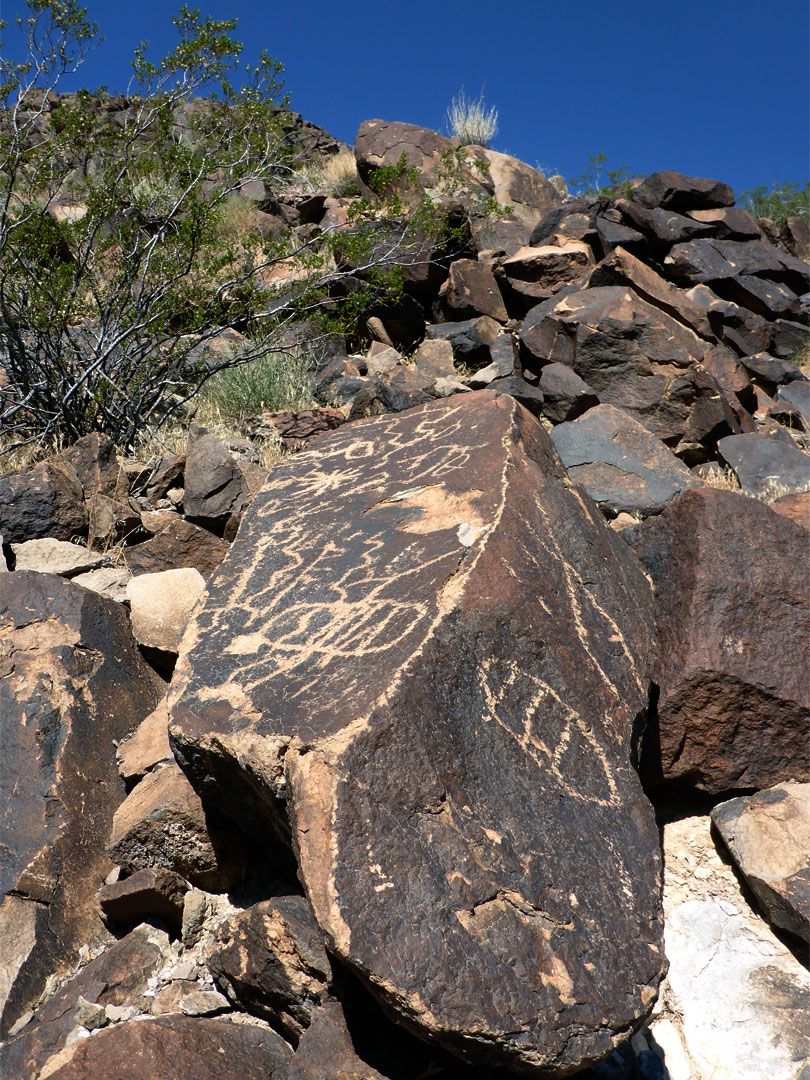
(768, 835)
(728, 223)
(662, 228)
(796, 507)
(734, 629)
(295, 429)
(119, 976)
(146, 747)
(471, 290)
(434, 358)
(179, 544)
(147, 894)
(516, 184)
(443, 799)
(326, 1049)
(470, 339)
(795, 236)
(550, 265)
(110, 521)
(162, 824)
(271, 960)
(44, 500)
(175, 1047)
(109, 581)
(622, 268)
(161, 604)
(72, 682)
(93, 460)
(165, 474)
(381, 142)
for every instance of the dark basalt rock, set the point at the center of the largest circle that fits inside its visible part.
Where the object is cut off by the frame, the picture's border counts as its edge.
(388, 647)
(43, 500)
(271, 960)
(766, 466)
(733, 621)
(147, 894)
(72, 682)
(675, 191)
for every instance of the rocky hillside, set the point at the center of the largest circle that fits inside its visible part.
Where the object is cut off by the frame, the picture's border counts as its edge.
(468, 741)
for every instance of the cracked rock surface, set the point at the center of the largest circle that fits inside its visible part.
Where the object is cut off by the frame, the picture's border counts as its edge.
(388, 648)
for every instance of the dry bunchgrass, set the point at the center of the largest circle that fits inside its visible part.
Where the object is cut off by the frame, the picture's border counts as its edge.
(726, 480)
(471, 121)
(339, 176)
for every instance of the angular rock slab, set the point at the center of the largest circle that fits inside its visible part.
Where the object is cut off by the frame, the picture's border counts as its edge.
(72, 683)
(733, 624)
(428, 639)
(768, 835)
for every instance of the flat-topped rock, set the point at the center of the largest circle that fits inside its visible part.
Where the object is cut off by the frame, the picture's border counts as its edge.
(428, 644)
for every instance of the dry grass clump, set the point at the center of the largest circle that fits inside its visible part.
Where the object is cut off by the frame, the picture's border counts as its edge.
(471, 121)
(339, 176)
(726, 480)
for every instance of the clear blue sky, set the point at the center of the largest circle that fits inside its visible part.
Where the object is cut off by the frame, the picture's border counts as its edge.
(716, 88)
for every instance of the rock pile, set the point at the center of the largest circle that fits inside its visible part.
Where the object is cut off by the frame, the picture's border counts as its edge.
(351, 770)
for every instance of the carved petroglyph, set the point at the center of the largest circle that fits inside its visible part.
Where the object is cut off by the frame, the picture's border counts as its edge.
(424, 621)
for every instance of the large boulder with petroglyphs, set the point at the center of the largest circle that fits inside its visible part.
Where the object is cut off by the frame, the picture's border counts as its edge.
(382, 676)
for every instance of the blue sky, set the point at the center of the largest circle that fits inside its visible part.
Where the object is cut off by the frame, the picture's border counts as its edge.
(716, 89)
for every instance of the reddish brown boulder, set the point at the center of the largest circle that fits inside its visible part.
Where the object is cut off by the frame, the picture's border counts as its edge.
(178, 545)
(118, 977)
(215, 489)
(382, 142)
(733, 618)
(175, 1048)
(295, 429)
(163, 824)
(471, 290)
(443, 685)
(147, 894)
(795, 506)
(728, 223)
(93, 459)
(45, 500)
(73, 683)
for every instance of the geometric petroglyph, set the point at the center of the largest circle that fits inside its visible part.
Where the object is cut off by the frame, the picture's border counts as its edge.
(427, 643)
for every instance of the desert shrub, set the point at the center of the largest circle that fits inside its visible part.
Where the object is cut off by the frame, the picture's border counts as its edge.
(779, 202)
(159, 258)
(598, 182)
(471, 121)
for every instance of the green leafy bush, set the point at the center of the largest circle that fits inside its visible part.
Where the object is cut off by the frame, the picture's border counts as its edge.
(280, 380)
(779, 202)
(596, 181)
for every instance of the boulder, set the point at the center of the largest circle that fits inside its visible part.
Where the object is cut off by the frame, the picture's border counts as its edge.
(530, 397)
(162, 824)
(270, 959)
(73, 684)
(796, 507)
(434, 358)
(470, 339)
(471, 290)
(161, 604)
(728, 223)
(382, 360)
(443, 799)
(93, 459)
(109, 581)
(613, 234)
(150, 893)
(549, 266)
(110, 521)
(504, 356)
(662, 228)
(44, 500)
(734, 629)
(766, 466)
(516, 184)
(326, 1049)
(177, 545)
(632, 355)
(620, 464)
(674, 191)
(622, 268)
(295, 428)
(215, 488)
(382, 142)
(738, 995)
(404, 389)
(795, 236)
(119, 976)
(173, 1047)
(48, 556)
(768, 836)
(565, 395)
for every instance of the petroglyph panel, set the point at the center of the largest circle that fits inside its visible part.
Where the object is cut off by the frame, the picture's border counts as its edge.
(427, 642)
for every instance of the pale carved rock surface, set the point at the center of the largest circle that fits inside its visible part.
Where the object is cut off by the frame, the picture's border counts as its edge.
(161, 605)
(737, 996)
(768, 835)
(389, 645)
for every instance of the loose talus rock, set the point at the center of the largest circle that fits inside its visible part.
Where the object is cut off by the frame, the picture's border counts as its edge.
(426, 641)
